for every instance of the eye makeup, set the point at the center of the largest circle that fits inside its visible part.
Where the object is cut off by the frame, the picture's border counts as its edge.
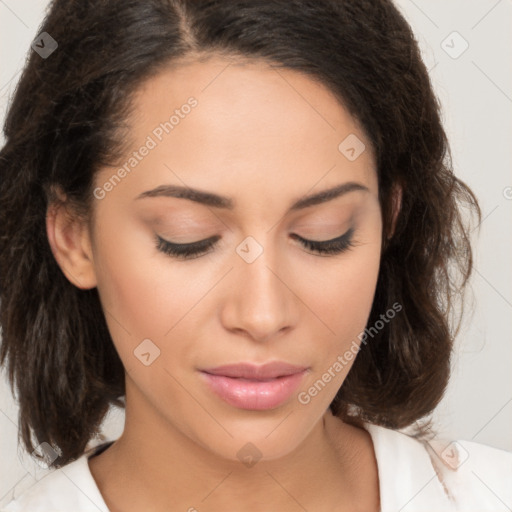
(193, 250)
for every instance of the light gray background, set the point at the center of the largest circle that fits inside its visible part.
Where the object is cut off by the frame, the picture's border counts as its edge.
(475, 90)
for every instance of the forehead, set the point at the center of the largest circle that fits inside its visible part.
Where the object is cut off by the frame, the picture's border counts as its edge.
(252, 126)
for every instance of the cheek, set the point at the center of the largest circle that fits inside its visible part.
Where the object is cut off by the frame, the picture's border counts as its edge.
(130, 293)
(344, 292)
(136, 295)
(141, 288)
(342, 297)
(340, 294)
(148, 296)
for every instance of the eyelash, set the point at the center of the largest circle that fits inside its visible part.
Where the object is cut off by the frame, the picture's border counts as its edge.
(197, 249)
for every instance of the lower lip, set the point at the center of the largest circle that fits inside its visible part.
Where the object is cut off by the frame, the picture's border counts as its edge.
(253, 394)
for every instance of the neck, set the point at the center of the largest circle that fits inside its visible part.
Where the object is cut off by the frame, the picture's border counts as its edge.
(157, 462)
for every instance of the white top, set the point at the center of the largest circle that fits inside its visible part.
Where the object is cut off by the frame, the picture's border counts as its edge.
(414, 476)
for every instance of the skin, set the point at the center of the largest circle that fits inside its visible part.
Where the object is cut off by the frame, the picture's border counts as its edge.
(264, 138)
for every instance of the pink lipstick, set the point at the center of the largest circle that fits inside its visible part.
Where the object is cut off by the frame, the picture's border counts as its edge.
(255, 387)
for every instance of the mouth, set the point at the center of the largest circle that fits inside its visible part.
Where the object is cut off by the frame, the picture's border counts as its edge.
(248, 386)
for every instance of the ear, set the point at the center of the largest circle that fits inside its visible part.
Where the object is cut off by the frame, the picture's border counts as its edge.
(69, 239)
(396, 201)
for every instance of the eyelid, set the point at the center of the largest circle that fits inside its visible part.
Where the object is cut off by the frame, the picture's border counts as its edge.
(347, 234)
(213, 239)
(197, 249)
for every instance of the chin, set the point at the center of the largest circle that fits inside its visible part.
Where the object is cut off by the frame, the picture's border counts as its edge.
(257, 437)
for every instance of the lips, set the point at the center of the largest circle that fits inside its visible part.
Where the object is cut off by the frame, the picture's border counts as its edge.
(254, 372)
(249, 386)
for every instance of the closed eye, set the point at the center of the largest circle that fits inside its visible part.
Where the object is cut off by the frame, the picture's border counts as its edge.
(196, 249)
(329, 247)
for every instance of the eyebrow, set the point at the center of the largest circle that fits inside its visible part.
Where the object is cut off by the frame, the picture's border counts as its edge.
(218, 201)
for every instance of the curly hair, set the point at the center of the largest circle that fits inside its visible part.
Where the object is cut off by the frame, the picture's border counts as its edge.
(65, 120)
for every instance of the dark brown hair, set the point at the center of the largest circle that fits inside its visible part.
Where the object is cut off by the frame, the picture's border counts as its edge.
(65, 121)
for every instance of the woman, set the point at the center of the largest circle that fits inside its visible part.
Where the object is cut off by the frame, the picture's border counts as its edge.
(237, 220)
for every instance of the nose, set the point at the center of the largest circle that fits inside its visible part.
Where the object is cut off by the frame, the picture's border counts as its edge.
(259, 302)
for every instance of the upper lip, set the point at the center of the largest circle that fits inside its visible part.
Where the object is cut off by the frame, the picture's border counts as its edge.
(256, 372)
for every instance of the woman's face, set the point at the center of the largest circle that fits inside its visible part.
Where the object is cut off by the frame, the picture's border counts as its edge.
(254, 142)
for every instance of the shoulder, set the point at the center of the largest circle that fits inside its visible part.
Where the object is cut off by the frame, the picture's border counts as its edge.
(71, 487)
(417, 475)
(476, 475)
